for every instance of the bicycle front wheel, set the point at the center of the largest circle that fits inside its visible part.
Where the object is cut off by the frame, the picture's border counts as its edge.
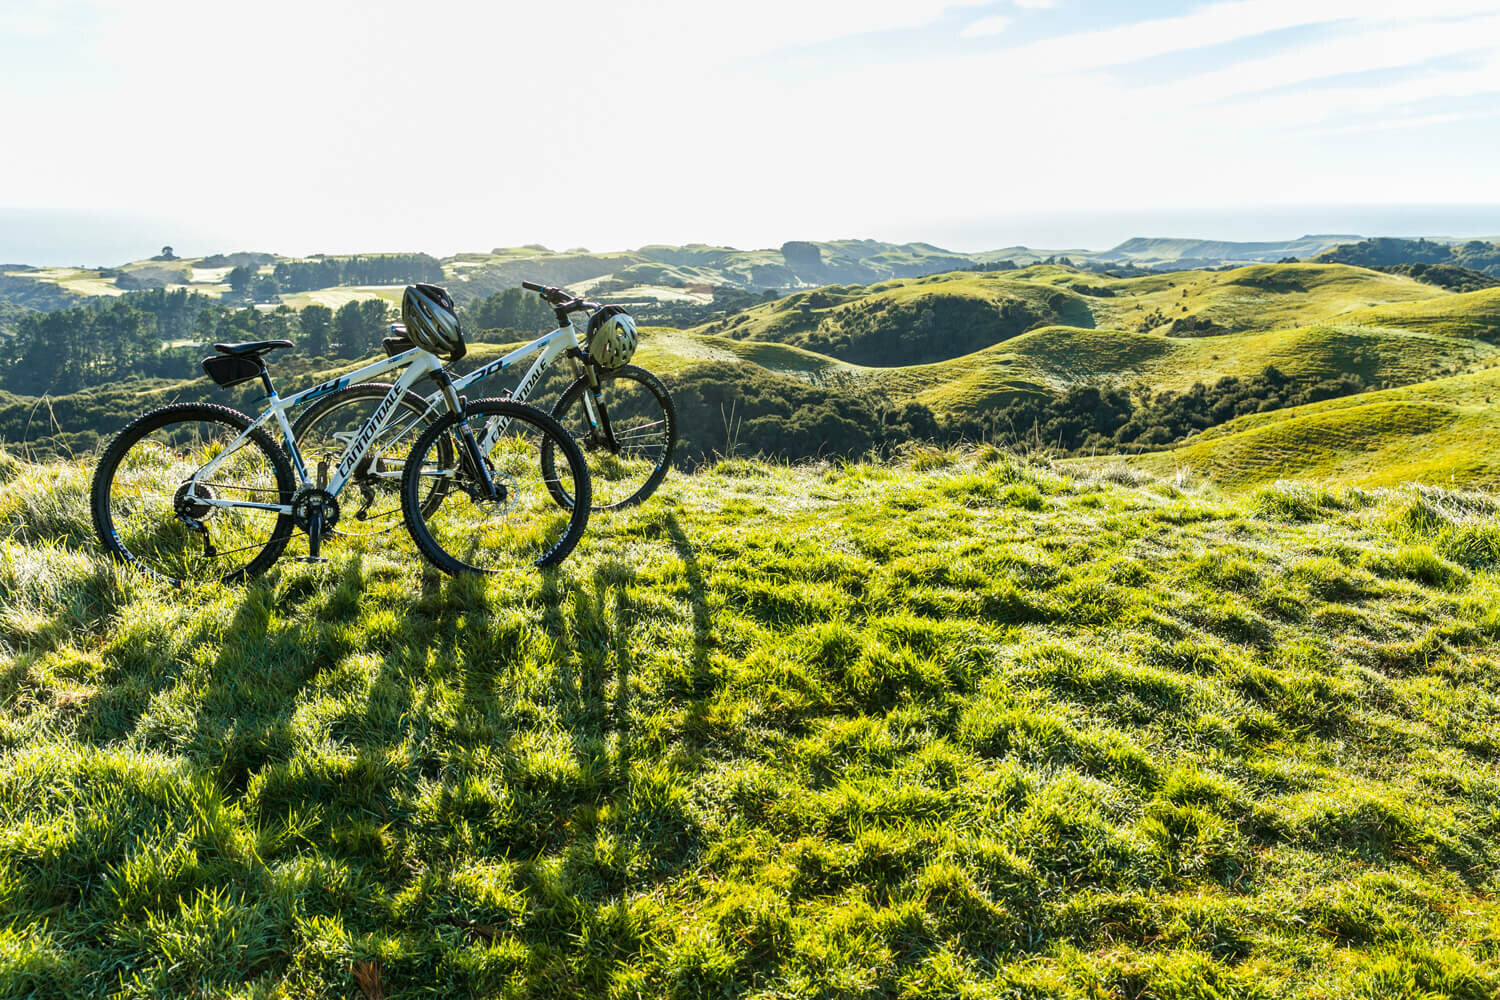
(628, 463)
(472, 530)
(158, 506)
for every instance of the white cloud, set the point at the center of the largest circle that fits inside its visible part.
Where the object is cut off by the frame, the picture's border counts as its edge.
(1218, 24)
(1036, 4)
(986, 26)
(1355, 51)
(1388, 124)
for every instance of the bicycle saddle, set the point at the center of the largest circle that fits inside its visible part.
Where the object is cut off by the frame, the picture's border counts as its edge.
(251, 349)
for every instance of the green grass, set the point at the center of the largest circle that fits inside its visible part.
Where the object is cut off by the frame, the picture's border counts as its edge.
(1308, 320)
(1260, 297)
(953, 726)
(1443, 432)
(335, 297)
(1470, 314)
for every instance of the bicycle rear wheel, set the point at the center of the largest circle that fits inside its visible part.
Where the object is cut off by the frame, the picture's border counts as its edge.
(152, 509)
(469, 531)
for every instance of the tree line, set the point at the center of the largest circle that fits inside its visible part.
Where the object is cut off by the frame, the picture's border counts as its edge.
(1089, 418)
(727, 408)
(166, 334)
(1382, 252)
(290, 276)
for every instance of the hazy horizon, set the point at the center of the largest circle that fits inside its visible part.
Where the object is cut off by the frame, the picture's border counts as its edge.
(77, 239)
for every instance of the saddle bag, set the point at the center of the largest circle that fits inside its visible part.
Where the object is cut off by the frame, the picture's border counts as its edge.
(228, 371)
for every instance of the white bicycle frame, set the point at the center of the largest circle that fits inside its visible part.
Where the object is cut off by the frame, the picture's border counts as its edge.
(418, 364)
(548, 348)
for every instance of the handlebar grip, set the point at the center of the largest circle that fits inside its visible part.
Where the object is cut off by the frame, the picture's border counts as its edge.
(533, 286)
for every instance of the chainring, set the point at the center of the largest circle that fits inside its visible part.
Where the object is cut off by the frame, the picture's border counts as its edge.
(309, 500)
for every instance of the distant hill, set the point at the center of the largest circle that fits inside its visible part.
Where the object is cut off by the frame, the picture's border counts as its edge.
(691, 274)
(1155, 253)
(1173, 359)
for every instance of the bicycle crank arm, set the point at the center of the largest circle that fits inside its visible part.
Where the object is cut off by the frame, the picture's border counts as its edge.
(315, 537)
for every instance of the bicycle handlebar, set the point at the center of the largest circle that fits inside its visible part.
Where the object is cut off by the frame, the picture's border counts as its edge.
(559, 299)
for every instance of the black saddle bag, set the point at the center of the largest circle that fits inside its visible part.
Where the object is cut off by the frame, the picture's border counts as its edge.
(228, 371)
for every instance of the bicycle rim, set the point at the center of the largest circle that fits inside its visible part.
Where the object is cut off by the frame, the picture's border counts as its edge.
(470, 531)
(155, 508)
(644, 427)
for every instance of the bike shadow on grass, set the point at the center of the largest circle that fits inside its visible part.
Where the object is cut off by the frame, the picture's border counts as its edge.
(590, 626)
(231, 714)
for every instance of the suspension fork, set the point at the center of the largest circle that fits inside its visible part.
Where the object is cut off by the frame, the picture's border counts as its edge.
(593, 407)
(456, 404)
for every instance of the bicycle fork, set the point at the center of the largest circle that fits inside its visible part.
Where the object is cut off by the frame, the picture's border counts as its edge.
(488, 487)
(593, 408)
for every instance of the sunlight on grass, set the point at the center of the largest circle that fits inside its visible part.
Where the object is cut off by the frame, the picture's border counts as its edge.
(957, 725)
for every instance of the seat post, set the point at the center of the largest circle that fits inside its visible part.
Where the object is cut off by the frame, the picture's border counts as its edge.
(265, 379)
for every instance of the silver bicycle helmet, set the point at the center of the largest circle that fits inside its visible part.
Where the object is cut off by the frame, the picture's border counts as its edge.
(431, 321)
(612, 336)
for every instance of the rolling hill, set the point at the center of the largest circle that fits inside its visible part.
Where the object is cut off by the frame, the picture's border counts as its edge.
(653, 272)
(962, 344)
(1313, 321)
(1444, 432)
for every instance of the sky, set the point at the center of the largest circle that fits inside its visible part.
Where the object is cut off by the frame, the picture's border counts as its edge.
(301, 126)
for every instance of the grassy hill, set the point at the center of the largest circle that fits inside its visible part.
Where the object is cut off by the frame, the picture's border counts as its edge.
(1313, 321)
(663, 273)
(957, 726)
(1261, 297)
(964, 344)
(1443, 432)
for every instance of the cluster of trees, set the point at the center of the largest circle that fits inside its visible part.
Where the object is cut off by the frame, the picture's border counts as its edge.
(514, 313)
(1454, 279)
(727, 301)
(918, 330)
(505, 315)
(1092, 418)
(71, 349)
(165, 334)
(725, 409)
(327, 272)
(1382, 252)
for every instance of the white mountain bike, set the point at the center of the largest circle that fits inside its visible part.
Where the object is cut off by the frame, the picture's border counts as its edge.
(622, 419)
(196, 492)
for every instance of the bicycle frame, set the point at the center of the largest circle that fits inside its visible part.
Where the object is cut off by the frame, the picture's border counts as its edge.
(418, 364)
(548, 348)
(551, 346)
